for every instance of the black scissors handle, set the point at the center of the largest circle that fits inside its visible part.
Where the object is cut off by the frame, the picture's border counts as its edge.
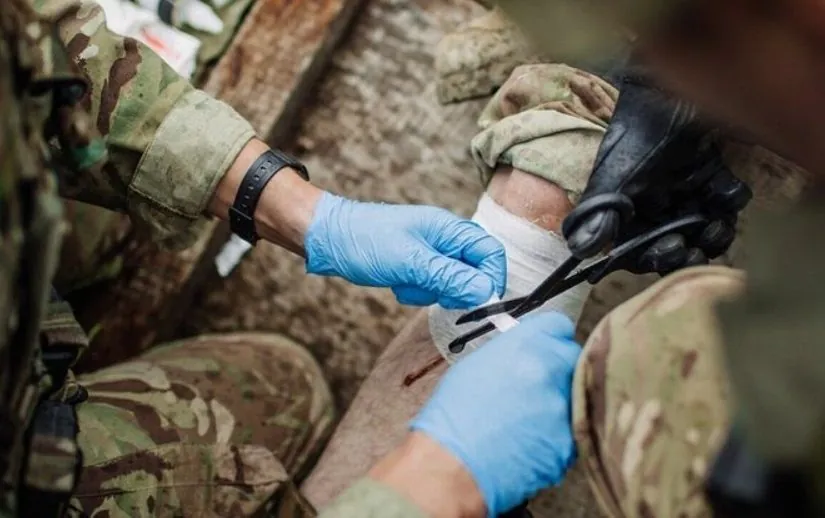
(561, 280)
(558, 282)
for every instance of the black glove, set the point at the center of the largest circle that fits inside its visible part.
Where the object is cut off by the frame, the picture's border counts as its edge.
(657, 162)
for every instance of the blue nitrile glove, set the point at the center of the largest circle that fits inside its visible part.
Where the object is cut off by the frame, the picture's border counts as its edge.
(504, 411)
(425, 254)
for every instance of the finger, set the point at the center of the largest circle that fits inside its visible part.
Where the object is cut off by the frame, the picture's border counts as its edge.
(412, 296)
(451, 279)
(547, 334)
(552, 323)
(726, 194)
(468, 242)
(716, 238)
(667, 254)
(705, 164)
(695, 257)
(593, 234)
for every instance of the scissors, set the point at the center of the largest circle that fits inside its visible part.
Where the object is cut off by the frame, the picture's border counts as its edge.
(566, 276)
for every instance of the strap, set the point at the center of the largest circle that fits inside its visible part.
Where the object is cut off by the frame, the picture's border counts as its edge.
(242, 213)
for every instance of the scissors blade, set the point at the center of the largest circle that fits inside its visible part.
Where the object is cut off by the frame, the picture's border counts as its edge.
(553, 284)
(505, 306)
(457, 345)
(559, 281)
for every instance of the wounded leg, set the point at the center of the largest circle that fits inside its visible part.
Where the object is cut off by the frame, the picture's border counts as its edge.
(535, 153)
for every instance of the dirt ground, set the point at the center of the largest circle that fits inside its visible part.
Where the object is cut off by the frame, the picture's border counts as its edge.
(376, 132)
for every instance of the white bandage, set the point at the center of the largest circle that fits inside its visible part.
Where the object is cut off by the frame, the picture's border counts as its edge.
(532, 254)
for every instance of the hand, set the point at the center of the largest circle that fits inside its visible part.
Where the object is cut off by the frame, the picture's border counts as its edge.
(661, 159)
(426, 255)
(504, 411)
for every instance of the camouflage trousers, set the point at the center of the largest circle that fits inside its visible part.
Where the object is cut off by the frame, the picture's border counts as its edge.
(651, 401)
(215, 426)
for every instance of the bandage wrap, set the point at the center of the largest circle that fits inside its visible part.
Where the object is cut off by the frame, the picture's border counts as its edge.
(532, 254)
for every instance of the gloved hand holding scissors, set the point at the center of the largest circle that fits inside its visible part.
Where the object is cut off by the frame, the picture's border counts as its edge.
(657, 163)
(498, 427)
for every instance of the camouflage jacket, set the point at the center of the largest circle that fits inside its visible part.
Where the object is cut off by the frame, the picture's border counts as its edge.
(96, 117)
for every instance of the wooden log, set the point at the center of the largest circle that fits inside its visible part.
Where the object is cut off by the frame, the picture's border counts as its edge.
(266, 74)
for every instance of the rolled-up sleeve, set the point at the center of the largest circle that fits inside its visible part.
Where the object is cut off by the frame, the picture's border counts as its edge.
(191, 150)
(168, 143)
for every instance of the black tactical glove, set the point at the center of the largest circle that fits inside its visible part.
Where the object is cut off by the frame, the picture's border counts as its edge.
(657, 162)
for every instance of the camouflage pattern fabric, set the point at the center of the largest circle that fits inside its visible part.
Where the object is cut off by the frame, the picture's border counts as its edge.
(773, 336)
(651, 401)
(29, 240)
(168, 144)
(133, 136)
(211, 426)
(477, 58)
(572, 31)
(369, 499)
(92, 246)
(547, 120)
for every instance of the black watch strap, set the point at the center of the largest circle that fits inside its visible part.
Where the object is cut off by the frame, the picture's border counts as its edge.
(242, 212)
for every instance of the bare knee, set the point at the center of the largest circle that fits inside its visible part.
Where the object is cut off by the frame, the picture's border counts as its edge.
(650, 397)
(530, 197)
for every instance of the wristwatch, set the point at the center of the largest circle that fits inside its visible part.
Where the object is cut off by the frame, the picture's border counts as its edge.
(242, 212)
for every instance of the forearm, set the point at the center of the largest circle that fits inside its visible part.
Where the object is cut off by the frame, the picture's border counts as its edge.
(417, 479)
(431, 478)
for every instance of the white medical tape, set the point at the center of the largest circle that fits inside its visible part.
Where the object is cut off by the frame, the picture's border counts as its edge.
(532, 254)
(502, 321)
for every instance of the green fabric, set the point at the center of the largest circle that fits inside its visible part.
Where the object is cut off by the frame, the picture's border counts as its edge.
(773, 338)
(370, 499)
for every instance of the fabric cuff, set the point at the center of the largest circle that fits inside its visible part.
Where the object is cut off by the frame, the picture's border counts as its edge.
(555, 146)
(368, 498)
(194, 147)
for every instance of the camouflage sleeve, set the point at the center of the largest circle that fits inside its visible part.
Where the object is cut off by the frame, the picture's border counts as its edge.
(369, 499)
(168, 143)
(547, 120)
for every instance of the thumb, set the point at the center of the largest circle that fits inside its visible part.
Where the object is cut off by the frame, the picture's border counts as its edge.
(592, 234)
(453, 282)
